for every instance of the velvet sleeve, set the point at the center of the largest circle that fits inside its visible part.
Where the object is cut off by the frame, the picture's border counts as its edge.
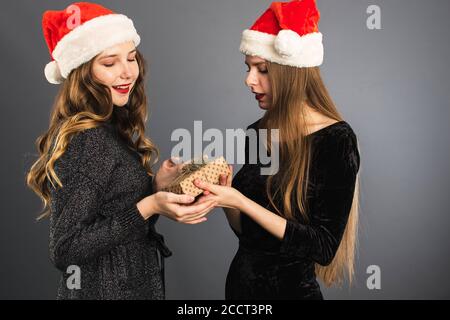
(78, 231)
(336, 167)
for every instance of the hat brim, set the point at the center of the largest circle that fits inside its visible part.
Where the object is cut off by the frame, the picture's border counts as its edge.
(91, 38)
(256, 43)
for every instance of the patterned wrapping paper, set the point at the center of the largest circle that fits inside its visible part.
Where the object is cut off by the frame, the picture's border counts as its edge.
(208, 171)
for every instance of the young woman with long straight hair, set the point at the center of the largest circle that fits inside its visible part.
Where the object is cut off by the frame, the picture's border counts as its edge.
(300, 223)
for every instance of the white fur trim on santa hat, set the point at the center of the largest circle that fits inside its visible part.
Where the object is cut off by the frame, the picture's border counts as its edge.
(287, 48)
(88, 40)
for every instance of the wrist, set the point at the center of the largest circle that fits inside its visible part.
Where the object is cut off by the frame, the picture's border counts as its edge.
(239, 201)
(147, 206)
(154, 184)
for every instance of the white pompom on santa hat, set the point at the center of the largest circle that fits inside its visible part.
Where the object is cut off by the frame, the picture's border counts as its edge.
(78, 33)
(287, 33)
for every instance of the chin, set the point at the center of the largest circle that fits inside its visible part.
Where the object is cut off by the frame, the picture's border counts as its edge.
(120, 102)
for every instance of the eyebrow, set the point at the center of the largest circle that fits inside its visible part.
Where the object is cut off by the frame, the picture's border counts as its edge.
(255, 64)
(115, 55)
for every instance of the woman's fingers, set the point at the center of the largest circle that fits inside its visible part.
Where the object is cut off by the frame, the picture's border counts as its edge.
(175, 163)
(230, 176)
(206, 186)
(223, 180)
(168, 163)
(197, 221)
(180, 198)
(171, 166)
(176, 160)
(204, 198)
(200, 214)
(193, 209)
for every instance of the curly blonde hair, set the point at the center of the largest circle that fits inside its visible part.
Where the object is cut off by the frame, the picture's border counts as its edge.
(83, 103)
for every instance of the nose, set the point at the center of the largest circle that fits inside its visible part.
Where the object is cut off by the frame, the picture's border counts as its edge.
(126, 71)
(251, 79)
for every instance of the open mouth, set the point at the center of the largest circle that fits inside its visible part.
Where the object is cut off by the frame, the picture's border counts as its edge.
(259, 96)
(122, 89)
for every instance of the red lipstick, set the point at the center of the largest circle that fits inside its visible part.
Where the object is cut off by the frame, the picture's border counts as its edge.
(122, 89)
(259, 96)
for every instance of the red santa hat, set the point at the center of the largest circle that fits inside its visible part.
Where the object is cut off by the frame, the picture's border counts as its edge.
(287, 33)
(78, 33)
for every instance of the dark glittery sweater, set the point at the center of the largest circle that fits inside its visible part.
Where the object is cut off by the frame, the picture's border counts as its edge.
(95, 223)
(265, 267)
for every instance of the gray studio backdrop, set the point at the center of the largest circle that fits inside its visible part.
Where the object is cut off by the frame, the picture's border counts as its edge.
(390, 84)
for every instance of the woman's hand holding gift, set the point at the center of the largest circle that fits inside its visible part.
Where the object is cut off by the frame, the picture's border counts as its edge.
(225, 195)
(168, 171)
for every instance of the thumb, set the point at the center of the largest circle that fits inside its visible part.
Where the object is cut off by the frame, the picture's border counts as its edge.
(168, 163)
(176, 160)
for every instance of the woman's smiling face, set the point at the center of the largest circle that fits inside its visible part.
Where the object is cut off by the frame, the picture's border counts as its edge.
(258, 81)
(117, 68)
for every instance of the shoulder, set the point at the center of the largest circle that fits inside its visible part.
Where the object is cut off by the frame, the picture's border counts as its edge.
(337, 146)
(93, 142)
(91, 152)
(335, 135)
(98, 139)
(97, 134)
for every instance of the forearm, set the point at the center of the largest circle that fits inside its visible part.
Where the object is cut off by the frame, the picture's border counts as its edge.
(80, 232)
(148, 207)
(318, 241)
(77, 244)
(270, 221)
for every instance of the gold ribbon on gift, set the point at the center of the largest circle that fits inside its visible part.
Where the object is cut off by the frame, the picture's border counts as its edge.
(188, 169)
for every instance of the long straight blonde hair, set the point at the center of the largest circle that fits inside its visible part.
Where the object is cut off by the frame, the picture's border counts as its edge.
(83, 103)
(292, 88)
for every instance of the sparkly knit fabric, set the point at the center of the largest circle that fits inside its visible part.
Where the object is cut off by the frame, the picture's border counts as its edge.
(95, 223)
(267, 268)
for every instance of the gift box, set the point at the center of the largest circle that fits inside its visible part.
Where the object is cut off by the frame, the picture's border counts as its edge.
(208, 171)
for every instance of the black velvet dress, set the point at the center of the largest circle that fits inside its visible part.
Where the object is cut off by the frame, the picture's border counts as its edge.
(265, 267)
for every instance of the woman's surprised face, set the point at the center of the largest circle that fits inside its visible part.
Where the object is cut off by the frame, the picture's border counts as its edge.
(258, 81)
(117, 68)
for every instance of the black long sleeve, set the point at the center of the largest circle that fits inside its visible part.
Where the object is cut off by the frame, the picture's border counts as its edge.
(95, 223)
(319, 240)
(266, 267)
(78, 232)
